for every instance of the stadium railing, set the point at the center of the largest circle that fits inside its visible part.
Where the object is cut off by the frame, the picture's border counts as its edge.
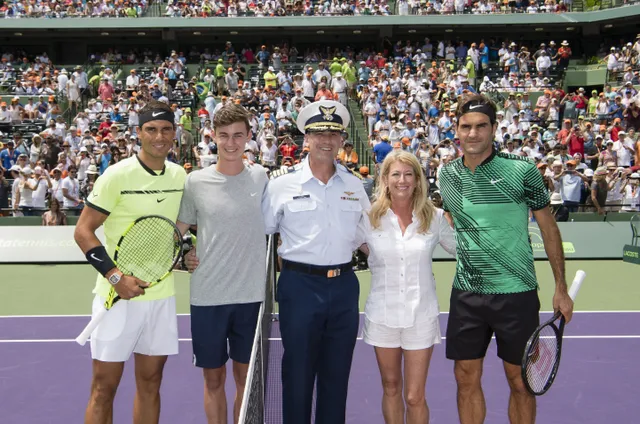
(155, 10)
(359, 143)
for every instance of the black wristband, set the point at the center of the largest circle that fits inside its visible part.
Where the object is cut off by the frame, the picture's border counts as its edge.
(100, 260)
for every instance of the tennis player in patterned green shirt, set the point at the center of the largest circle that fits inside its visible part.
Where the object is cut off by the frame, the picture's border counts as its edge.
(488, 196)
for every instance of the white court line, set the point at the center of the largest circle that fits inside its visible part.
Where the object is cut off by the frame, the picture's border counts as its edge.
(278, 339)
(634, 336)
(361, 313)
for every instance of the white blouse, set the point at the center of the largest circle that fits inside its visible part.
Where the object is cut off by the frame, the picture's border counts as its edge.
(403, 288)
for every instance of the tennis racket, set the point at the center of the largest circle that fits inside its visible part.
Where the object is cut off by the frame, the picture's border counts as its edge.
(149, 249)
(542, 354)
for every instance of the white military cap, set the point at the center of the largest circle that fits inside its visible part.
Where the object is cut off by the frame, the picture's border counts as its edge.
(324, 115)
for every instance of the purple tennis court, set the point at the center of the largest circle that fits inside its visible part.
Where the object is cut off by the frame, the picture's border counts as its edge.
(44, 376)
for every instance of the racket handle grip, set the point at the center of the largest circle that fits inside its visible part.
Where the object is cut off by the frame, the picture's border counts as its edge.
(93, 324)
(577, 282)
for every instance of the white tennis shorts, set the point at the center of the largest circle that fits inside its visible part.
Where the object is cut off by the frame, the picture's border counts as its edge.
(144, 327)
(420, 336)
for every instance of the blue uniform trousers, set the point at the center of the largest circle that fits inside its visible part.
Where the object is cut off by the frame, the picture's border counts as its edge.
(319, 319)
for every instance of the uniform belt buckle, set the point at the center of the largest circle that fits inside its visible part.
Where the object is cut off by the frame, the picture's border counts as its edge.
(332, 273)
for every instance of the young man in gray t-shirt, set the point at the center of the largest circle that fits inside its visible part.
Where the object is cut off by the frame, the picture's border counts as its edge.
(223, 201)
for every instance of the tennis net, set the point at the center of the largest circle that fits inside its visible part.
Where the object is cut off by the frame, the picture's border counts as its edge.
(252, 410)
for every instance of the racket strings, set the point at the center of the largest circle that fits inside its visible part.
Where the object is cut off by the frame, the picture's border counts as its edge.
(542, 358)
(149, 249)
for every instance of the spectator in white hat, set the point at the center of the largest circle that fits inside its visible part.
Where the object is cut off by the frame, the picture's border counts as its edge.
(631, 192)
(580, 166)
(543, 63)
(132, 146)
(599, 190)
(339, 87)
(270, 79)
(557, 170)
(43, 185)
(559, 211)
(86, 185)
(614, 195)
(16, 175)
(56, 184)
(551, 134)
(571, 184)
(624, 149)
(269, 152)
(71, 192)
(83, 160)
(613, 62)
(73, 93)
(501, 119)
(26, 188)
(321, 72)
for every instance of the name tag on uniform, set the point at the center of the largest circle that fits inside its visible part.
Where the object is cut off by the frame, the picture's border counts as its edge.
(349, 195)
(302, 196)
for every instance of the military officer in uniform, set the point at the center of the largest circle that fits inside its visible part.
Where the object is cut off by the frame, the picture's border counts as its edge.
(316, 206)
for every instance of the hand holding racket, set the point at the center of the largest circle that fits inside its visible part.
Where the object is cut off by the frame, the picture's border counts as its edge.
(148, 250)
(130, 287)
(542, 354)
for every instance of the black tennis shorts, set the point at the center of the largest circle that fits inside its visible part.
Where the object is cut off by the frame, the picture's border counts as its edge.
(474, 318)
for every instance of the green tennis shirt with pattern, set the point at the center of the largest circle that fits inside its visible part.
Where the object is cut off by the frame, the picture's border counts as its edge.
(490, 210)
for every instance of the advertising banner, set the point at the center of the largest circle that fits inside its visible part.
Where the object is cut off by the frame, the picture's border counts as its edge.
(581, 240)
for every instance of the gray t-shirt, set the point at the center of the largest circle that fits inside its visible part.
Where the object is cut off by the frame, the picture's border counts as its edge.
(231, 242)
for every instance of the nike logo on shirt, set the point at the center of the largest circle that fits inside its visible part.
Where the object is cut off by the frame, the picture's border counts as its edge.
(253, 194)
(161, 200)
(494, 182)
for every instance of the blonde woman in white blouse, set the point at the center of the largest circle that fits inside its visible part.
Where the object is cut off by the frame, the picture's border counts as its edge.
(401, 315)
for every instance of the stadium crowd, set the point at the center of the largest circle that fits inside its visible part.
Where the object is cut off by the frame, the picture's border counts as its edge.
(449, 7)
(70, 9)
(261, 9)
(406, 95)
(273, 8)
(623, 61)
(574, 137)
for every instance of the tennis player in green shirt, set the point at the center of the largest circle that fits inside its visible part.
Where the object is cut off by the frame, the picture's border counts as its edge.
(489, 195)
(146, 325)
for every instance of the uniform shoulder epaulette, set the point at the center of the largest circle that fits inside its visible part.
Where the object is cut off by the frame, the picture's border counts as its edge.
(284, 171)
